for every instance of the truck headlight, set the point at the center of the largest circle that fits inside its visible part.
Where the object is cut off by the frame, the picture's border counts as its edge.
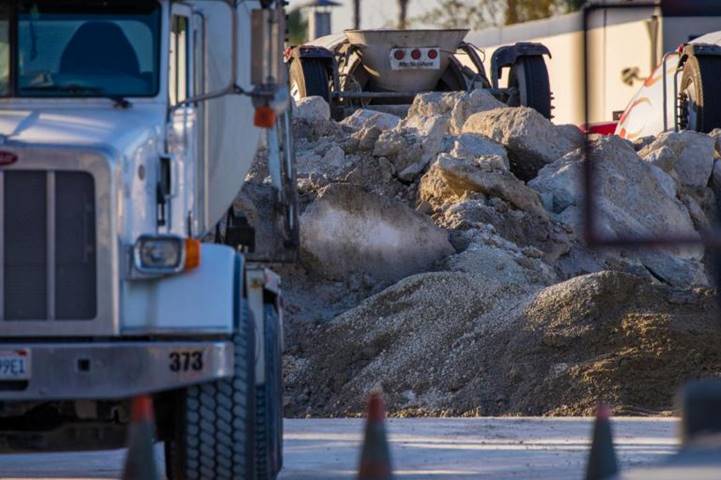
(165, 254)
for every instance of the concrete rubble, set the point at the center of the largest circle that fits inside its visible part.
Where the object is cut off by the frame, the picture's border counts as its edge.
(348, 230)
(532, 141)
(443, 258)
(688, 156)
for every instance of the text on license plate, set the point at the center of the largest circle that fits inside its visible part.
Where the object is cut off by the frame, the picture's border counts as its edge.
(14, 365)
(410, 58)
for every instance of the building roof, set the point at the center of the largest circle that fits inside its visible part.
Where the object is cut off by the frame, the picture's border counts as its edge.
(318, 3)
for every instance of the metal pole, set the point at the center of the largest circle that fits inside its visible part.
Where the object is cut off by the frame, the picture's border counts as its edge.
(356, 14)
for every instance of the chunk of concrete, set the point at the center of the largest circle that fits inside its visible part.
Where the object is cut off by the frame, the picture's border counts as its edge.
(457, 106)
(451, 177)
(689, 154)
(572, 133)
(630, 199)
(716, 177)
(311, 109)
(716, 135)
(471, 146)
(480, 100)
(330, 162)
(532, 141)
(348, 230)
(633, 198)
(363, 118)
(413, 145)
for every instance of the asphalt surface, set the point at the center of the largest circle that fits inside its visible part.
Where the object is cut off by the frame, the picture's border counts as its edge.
(437, 449)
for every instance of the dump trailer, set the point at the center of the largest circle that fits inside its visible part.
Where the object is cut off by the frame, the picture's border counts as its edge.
(386, 69)
(126, 131)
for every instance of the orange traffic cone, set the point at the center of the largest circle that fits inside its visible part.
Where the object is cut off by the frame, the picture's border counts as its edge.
(375, 461)
(140, 459)
(602, 464)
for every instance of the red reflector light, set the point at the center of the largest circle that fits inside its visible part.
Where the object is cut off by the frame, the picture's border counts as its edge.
(432, 54)
(7, 158)
(416, 54)
(399, 54)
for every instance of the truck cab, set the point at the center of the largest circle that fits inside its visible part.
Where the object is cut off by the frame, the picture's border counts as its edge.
(126, 130)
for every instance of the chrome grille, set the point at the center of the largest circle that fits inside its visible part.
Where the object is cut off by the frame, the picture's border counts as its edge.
(47, 233)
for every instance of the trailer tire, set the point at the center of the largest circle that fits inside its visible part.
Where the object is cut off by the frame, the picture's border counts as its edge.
(700, 97)
(214, 422)
(269, 415)
(309, 77)
(530, 76)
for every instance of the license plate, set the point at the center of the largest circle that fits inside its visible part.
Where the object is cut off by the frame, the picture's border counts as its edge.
(427, 58)
(14, 365)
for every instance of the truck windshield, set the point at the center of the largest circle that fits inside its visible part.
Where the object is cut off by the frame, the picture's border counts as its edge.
(80, 49)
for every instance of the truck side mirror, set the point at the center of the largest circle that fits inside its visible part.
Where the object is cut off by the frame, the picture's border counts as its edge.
(268, 31)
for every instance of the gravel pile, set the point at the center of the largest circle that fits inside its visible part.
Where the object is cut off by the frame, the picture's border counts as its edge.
(442, 259)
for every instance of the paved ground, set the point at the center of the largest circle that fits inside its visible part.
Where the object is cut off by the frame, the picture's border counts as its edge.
(437, 449)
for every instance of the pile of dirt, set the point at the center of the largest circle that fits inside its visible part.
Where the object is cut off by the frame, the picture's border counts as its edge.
(443, 259)
(453, 343)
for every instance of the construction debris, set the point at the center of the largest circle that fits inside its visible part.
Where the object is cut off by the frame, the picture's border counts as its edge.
(485, 300)
(689, 156)
(350, 231)
(532, 140)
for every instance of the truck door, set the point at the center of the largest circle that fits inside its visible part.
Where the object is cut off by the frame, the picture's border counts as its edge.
(182, 141)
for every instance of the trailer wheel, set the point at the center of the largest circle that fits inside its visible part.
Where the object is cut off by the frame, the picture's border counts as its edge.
(269, 415)
(214, 422)
(309, 77)
(700, 97)
(529, 75)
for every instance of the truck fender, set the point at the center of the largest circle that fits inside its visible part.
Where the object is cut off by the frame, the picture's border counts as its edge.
(698, 50)
(204, 300)
(302, 52)
(508, 55)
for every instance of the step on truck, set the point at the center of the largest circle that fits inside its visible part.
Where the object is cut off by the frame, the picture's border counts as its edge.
(126, 131)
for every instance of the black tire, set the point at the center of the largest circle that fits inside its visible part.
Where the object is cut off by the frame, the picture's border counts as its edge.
(269, 415)
(310, 77)
(700, 96)
(215, 422)
(530, 76)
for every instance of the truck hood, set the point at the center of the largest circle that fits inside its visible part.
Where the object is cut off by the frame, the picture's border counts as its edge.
(107, 127)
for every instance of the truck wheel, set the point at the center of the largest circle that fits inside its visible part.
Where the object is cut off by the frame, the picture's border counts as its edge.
(700, 97)
(269, 414)
(214, 423)
(529, 75)
(309, 77)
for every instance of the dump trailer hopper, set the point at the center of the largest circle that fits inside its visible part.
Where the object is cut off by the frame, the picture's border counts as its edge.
(385, 69)
(404, 60)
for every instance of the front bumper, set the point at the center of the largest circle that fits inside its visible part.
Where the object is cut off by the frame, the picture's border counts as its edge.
(112, 370)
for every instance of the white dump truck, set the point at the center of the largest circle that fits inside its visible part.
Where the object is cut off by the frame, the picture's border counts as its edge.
(126, 131)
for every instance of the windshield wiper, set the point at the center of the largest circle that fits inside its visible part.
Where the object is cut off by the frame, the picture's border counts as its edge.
(119, 101)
